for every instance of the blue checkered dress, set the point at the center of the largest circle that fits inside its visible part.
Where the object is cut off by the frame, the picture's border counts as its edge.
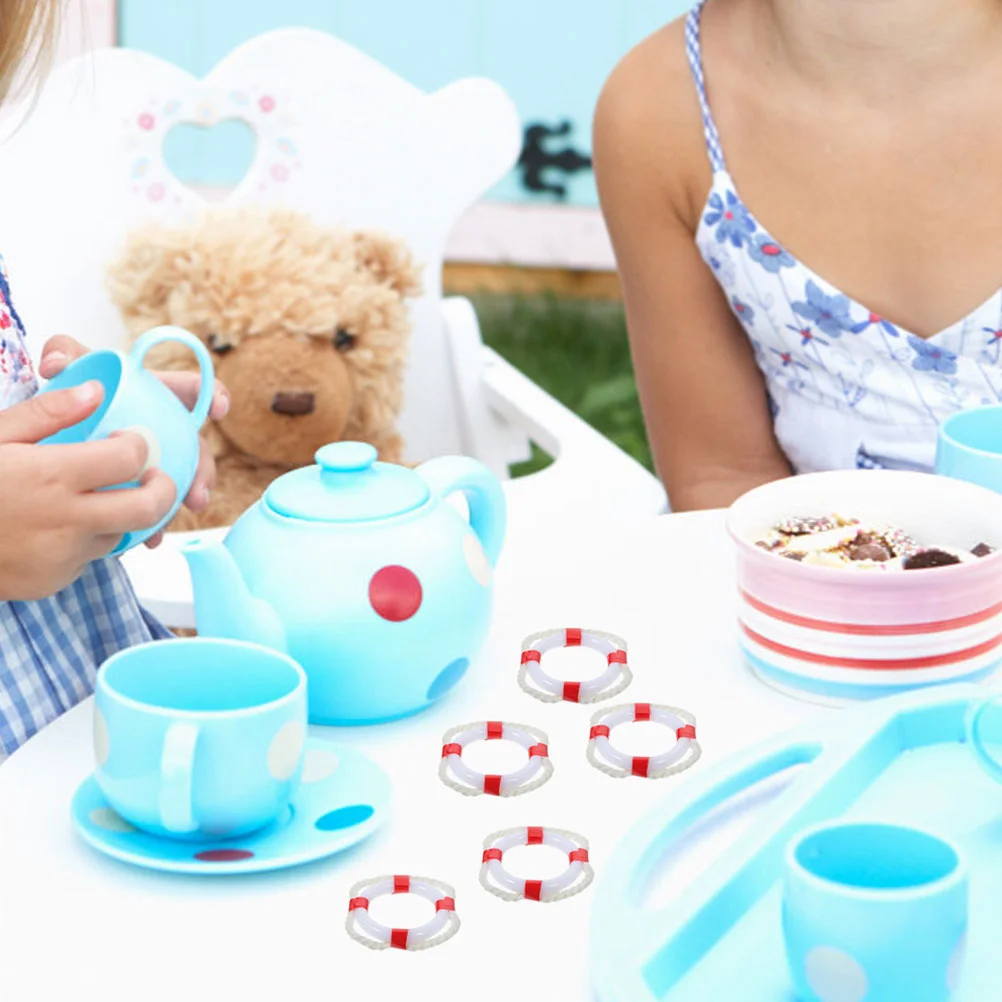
(50, 650)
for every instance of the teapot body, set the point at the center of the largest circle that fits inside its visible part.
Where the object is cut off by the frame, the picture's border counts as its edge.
(385, 616)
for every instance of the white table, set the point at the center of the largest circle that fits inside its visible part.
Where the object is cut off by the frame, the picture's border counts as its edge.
(74, 925)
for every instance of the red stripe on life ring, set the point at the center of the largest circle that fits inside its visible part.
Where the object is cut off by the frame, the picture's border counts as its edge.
(572, 691)
(573, 638)
(534, 836)
(640, 766)
(533, 889)
(398, 938)
(401, 885)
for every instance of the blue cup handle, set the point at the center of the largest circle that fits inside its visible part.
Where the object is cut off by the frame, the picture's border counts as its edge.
(208, 385)
(985, 760)
(177, 765)
(483, 492)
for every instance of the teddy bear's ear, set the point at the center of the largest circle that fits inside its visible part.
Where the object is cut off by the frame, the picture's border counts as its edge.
(141, 279)
(390, 260)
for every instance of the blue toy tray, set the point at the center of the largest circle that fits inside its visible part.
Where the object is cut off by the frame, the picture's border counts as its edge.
(902, 760)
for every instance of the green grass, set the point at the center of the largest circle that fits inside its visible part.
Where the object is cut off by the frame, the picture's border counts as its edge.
(577, 351)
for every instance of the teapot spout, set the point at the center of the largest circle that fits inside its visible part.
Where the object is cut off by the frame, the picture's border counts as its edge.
(224, 607)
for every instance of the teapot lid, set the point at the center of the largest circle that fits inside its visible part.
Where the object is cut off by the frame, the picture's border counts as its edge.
(346, 485)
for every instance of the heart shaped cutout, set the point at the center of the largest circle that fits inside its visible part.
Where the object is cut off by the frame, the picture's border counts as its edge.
(214, 156)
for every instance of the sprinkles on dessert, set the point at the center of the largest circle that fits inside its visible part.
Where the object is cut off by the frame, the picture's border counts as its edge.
(835, 541)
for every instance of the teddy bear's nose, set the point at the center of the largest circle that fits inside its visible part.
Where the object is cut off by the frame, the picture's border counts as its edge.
(292, 404)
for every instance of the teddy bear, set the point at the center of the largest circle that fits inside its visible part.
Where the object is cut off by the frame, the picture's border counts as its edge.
(308, 327)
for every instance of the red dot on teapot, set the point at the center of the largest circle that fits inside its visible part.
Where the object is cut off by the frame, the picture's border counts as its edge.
(395, 593)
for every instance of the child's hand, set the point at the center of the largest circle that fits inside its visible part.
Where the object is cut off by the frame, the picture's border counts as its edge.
(61, 350)
(53, 519)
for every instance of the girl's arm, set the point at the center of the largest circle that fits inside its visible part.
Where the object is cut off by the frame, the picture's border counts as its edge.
(703, 396)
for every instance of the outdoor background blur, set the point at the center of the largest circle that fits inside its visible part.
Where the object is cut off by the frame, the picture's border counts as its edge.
(534, 256)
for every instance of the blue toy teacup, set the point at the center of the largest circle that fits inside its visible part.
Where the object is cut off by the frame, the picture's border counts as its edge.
(874, 912)
(969, 447)
(135, 400)
(199, 739)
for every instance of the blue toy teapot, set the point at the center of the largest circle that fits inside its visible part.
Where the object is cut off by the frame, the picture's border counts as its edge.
(364, 574)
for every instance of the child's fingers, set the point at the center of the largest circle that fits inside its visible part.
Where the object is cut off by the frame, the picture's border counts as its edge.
(205, 480)
(134, 509)
(58, 352)
(89, 466)
(46, 413)
(186, 385)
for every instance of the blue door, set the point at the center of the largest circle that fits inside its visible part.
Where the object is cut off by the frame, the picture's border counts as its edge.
(552, 56)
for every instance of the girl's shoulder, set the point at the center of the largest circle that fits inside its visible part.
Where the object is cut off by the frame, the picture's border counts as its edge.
(648, 122)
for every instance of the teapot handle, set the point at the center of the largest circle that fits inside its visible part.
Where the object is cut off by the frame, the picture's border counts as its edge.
(483, 492)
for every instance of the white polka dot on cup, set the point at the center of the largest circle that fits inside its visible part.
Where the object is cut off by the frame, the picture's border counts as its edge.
(956, 965)
(834, 976)
(285, 750)
(476, 560)
(110, 821)
(319, 765)
(102, 740)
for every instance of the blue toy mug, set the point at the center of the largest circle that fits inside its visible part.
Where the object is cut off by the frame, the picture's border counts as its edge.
(969, 447)
(875, 912)
(199, 739)
(135, 400)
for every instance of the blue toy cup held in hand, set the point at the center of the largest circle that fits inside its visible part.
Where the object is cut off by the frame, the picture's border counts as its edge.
(969, 447)
(874, 912)
(199, 739)
(136, 401)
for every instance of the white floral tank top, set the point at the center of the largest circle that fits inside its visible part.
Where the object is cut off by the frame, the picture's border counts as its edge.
(847, 388)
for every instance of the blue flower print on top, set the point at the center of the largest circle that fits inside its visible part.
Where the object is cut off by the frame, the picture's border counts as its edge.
(731, 219)
(876, 320)
(787, 359)
(721, 263)
(931, 358)
(766, 252)
(830, 314)
(745, 313)
(806, 335)
(992, 347)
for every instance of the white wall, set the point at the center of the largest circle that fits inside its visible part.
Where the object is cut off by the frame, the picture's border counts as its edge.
(489, 233)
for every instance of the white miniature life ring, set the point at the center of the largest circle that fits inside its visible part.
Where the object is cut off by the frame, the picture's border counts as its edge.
(616, 677)
(366, 930)
(608, 759)
(457, 775)
(496, 879)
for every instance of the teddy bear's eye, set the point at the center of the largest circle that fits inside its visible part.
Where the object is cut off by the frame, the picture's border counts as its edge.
(218, 345)
(343, 341)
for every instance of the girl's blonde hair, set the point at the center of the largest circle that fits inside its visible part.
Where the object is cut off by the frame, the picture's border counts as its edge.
(28, 33)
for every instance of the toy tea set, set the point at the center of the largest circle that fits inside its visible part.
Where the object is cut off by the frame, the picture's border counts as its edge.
(874, 874)
(860, 887)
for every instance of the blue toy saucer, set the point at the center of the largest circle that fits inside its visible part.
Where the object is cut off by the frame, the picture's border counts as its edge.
(344, 798)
